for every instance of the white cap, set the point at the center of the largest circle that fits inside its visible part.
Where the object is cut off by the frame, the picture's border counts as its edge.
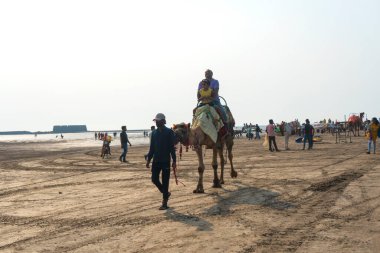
(159, 116)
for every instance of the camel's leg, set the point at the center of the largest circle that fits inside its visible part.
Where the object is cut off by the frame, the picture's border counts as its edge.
(201, 168)
(221, 156)
(229, 145)
(216, 183)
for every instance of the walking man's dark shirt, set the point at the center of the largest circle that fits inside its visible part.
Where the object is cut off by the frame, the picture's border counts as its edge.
(124, 143)
(123, 138)
(162, 146)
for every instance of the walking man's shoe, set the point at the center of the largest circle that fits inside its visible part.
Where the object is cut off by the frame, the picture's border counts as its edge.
(164, 205)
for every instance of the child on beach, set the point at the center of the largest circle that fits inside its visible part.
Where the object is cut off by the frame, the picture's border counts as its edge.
(373, 130)
(205, 94)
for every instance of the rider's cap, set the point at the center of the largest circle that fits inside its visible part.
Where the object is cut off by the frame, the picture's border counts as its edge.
(159, 116)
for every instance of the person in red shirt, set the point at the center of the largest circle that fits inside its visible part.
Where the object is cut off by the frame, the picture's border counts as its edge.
(272, 136)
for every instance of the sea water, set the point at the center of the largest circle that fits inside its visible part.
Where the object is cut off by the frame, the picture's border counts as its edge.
(85, 138)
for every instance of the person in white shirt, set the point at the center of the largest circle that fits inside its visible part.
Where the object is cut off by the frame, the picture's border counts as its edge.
(287, 133)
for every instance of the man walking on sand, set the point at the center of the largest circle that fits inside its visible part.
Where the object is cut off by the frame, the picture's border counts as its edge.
(161, 149)
(272, 136)
(124, 143)
(258, 131)
(308, 134)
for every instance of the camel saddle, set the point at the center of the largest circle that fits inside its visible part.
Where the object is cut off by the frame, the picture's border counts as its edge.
(208, 119)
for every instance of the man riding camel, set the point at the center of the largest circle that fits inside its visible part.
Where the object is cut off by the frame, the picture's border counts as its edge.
(214, 86)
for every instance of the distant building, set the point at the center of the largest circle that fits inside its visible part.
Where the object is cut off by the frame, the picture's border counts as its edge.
(70, 129)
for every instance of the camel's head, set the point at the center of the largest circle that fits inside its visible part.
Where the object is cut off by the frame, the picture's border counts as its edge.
(181, 132)
(282, 125)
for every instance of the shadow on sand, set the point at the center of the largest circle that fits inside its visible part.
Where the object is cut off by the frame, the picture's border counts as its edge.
(247, 195)
(189, 219)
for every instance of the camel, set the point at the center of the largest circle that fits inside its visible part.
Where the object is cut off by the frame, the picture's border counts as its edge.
(355, 123)
(295, 125)
(197, 138)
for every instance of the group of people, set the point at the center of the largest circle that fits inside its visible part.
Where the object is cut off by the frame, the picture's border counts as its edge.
(162, 154)
(162, 149)
(307, 132)
(102, 136)
(249, 129)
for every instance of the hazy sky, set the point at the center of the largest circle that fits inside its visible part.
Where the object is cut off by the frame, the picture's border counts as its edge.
(110, 63)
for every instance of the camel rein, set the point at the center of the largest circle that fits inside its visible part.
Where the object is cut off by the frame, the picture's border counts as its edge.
(175, 171)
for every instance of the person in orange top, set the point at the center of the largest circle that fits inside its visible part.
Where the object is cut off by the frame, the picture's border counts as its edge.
(373, 132)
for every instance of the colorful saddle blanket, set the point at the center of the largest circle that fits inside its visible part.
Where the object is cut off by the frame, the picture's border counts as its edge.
(208, 120)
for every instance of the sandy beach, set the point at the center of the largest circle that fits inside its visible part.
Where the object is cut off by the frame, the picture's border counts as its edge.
(61, 197)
